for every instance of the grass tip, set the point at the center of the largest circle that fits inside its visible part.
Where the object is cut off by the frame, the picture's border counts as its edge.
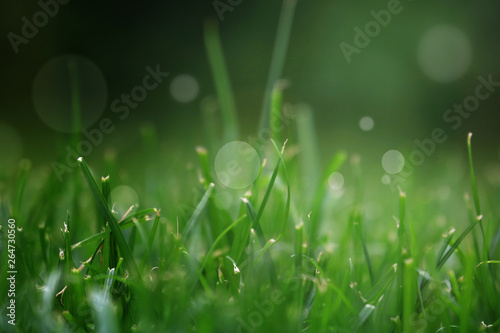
(450, 232)
(201, 150)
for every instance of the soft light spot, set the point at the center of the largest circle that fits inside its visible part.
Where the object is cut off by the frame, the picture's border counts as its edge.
(184, 88)
(366, 123)
(237, 165)
(393, 161)
(122, 198)
(64, 83)
(336, 181)
(444, 53)
(386, 179)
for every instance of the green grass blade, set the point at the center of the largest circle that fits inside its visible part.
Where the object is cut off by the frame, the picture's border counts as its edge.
(310, 163)
(363, 316)
(473, 177)
(455, 245)
(24, 168)
(278, 58)
(319, 196)
(151, 238)
(409, 292)
(276, 111)
(113, 223)
(475, 194)
(381, 286)
(216, 242)
(197, 212)
(128, 222)
(222, 83)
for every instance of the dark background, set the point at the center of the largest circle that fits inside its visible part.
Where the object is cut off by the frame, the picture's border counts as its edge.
(384, 81)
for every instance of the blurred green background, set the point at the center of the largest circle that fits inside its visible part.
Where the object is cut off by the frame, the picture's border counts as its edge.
(427, 58)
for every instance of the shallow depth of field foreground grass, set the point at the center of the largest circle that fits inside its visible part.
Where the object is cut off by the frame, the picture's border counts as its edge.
(259, 264)
(297, 250)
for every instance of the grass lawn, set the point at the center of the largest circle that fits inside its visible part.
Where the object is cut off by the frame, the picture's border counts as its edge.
(256, 235)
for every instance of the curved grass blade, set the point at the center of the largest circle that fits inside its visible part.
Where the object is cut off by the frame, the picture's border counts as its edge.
(196, 214)
(113, 223)
(278, 58)
(128, 222)
(455, 245)
(222, 82)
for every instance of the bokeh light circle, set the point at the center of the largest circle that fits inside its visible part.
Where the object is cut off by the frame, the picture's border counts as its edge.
(184, 88)
(385, 179)
(366, 123)
(237, 165)
(393, 161)
(444, 53)
(64, 82)
(336, 181)
(122, 198)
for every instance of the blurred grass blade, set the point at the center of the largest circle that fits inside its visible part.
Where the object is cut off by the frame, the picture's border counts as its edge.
(364, 314)
(24, 168)
(108, 284)
(151, 238)
(380, 288)
(473, 177)
(475, 194)
(128, 222)
(278, 58)
(113, 223)
(216, 242)
(309, 154)
(276, 111)
(409, 292)
(455, 245)
(204, 164)
(222, 83)
(196, 214)
(319, 196)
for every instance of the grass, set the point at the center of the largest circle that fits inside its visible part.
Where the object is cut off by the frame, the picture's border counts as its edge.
(286, 255)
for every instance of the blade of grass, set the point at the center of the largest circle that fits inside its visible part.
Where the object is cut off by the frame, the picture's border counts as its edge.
(278, 58)
(276, 110)
(128, 222)
(197, 212)
(409, 293)
(319, 196)
(24, 168)
(222, 83)
(113, 223)
(473, 177)
(309, 155)
(151, 239)
(214, 245)
(455, 245)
